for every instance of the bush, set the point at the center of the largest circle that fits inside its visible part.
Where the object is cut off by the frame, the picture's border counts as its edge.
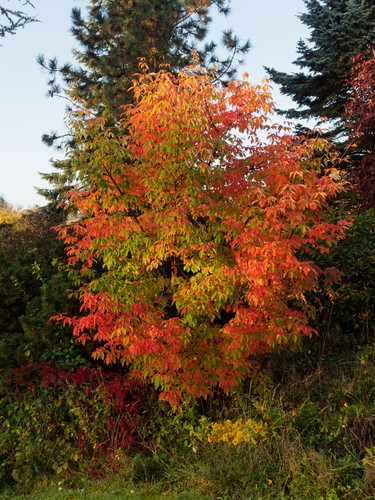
(349, 320)
(60, 423)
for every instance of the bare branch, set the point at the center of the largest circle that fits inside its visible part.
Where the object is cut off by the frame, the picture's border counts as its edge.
(13, 19)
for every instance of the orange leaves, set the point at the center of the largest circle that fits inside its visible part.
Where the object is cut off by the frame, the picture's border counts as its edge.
(192, 231)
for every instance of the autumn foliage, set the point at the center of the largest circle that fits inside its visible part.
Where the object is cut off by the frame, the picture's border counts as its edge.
(360, 117)
(192, 252)
(66, 423)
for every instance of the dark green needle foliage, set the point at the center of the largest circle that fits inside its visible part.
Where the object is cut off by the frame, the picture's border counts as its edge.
(112, 36)
(339, 30)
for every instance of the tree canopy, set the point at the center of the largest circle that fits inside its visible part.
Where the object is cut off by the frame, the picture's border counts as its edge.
(192, 251)
(112, 36)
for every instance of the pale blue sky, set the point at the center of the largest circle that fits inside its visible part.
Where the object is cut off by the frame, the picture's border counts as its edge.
(27, 113)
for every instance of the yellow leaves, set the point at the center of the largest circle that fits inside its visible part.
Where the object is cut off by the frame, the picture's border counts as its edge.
(8, 215)
(200, 234)
(296, 174)
(238, 432)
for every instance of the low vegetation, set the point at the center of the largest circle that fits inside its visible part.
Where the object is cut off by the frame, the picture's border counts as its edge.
(297, 431)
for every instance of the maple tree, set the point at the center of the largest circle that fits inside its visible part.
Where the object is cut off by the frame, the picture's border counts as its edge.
(360, 118)
(192, 252)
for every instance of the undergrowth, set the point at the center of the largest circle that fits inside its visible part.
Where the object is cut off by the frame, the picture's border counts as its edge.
(313, 436)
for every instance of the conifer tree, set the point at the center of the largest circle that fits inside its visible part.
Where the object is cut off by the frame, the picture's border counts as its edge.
(339, 30)
(112, 37)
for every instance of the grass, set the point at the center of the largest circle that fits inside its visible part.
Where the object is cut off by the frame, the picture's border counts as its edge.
(288, 470)
(108, 490)
(319, 444)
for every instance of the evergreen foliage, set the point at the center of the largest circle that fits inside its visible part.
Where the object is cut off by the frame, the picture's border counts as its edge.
(112, 37)
(339, 30)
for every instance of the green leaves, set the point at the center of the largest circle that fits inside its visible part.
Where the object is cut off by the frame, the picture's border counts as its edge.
(197, 235)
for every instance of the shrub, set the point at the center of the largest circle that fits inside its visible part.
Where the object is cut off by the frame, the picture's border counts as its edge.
(56, 422)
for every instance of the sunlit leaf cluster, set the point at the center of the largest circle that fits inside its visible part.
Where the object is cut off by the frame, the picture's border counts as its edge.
(192, 250)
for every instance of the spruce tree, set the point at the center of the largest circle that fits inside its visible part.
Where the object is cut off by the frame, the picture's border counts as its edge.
(112, 37)
(339, 30)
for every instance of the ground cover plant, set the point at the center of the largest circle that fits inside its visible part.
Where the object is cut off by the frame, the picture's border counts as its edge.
(259, 444)
(65, 423)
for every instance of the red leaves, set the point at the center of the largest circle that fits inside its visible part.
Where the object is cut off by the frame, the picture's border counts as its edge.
(360, 118)
(199, 228)
(117, 398)
(361, 109)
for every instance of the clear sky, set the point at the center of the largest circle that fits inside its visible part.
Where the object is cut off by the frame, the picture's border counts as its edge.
(26, 113)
